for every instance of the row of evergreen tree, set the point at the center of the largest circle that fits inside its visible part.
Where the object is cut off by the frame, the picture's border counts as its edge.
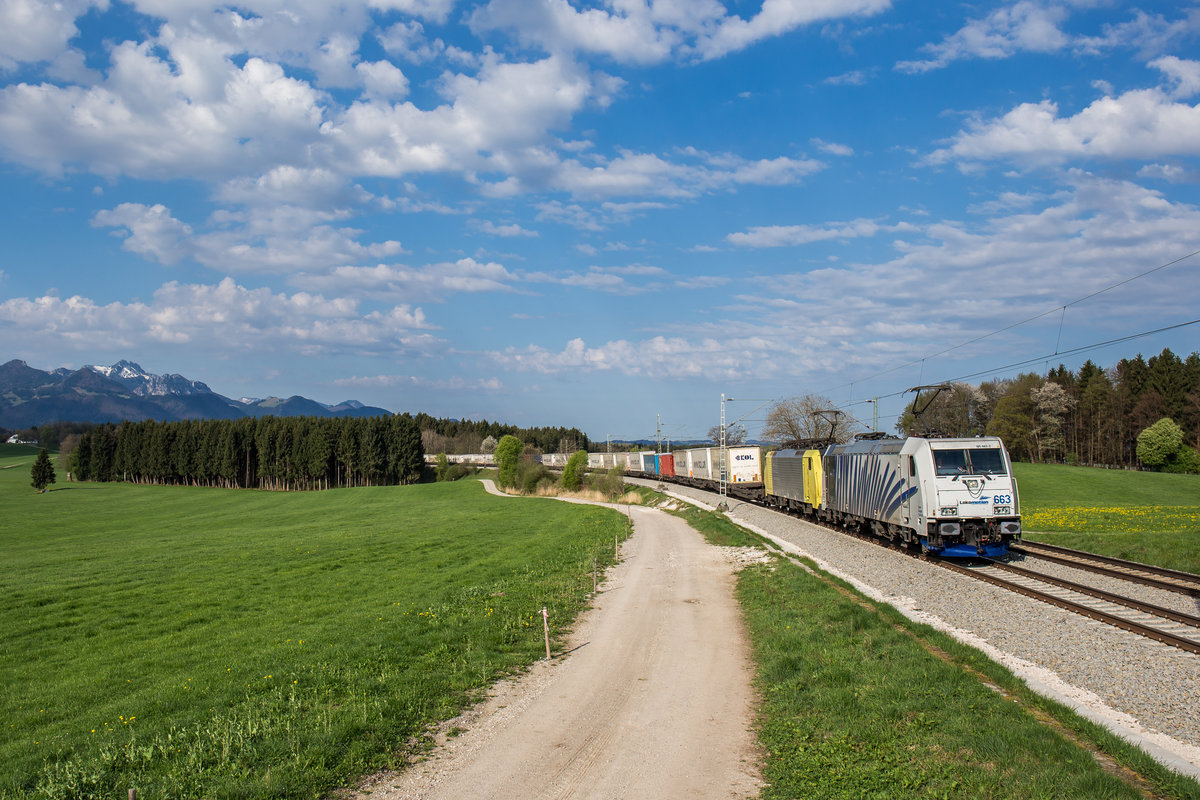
(467, 435)
(285, 453)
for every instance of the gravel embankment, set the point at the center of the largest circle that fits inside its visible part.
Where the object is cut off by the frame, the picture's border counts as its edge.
(1156, 686)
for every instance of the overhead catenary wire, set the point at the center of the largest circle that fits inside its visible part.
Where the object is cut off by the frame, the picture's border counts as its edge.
(1060, 308)
(1073, 351)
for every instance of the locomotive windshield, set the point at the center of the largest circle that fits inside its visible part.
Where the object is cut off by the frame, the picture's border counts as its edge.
(969, 462)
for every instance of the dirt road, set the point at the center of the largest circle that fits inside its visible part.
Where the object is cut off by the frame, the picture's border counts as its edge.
(651, 700)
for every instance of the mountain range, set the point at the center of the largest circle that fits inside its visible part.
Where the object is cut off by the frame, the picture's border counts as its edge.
(31, 397)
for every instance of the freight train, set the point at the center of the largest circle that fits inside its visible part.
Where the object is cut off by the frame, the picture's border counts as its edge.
(950, 497)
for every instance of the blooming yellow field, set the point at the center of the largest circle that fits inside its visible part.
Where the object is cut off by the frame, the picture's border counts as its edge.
(1113, 519)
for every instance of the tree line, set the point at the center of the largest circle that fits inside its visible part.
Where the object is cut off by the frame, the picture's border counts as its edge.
(455, 436)
(1090, 416)
(283, 453)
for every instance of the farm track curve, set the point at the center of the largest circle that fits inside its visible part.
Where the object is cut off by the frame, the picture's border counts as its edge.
(651, 696)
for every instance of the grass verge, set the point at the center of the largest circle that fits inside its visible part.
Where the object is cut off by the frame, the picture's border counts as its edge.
(858, 701)
(240, 644)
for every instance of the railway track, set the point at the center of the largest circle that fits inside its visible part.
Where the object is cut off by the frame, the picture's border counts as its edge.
(1145, 574)
(1165, 625)
(1155, 622)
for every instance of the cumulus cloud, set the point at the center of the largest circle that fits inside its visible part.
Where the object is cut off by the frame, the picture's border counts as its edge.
(1025, 26)
(274, 239)
(1139, 124)
(35, 31)
(142, 123)
(223, 316)
(638, 32)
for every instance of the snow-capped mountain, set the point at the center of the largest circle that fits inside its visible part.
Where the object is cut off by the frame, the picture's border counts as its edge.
(146, 384)
(126, 391)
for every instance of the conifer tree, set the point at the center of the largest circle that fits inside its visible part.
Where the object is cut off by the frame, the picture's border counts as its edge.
(42, 472)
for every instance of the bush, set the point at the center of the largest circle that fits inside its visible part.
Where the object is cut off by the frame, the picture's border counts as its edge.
(611, 484)
(443, 466)
(572, 476)
(1185, 461)
(508, 457)
(533, 474)
(1159, 443)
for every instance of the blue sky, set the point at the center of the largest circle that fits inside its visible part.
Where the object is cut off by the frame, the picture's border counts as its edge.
(592, 214)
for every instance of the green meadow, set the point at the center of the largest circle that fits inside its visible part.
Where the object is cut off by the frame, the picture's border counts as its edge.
(1144, 516)
(210, 643)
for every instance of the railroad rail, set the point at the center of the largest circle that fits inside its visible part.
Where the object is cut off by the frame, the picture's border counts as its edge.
(1146, 574)
(1164, 625)
(1144, 619)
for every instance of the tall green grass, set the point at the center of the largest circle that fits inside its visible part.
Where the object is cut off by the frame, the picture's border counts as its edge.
(859, 702)
(1143, 516)
(200, 642)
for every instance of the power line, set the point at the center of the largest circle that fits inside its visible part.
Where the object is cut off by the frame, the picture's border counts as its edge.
(1073, 351)
(1061, 309)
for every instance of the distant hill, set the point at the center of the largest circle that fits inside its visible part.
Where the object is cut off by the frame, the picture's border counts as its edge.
(31, 397)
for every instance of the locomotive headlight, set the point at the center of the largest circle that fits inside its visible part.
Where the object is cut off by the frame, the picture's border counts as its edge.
(1003, 509)
(948, 511)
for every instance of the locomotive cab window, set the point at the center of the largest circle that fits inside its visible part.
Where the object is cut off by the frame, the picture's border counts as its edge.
(969, 462)
(987, 461)
(950, 462)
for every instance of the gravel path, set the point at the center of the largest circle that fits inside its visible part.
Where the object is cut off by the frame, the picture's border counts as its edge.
(652, 699)
(1143, 690)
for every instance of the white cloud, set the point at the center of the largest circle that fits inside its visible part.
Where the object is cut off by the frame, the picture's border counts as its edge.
(35, 31)
(833, 148)
(1185, 75)
(1025, 26)
(222, 316)
(949, 282)
(149, 231)
(1149, 34)
(777, 17)
(660, 356)
(1139, 124)
(398, 281)
(382, 80)
(278, 239)
(506, 231)
(626, 280)
(454, 384)
(856, 77)
(638, 32)
(791, 235)
(1038, 27)
(142, 123)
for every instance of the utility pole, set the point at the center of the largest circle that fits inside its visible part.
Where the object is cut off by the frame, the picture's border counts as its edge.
(874, 401)
(723, 505)
(658, 434)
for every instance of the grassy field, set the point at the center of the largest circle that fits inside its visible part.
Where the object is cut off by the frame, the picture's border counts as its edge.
(1144, 516)
(199, 642)
(860, 702)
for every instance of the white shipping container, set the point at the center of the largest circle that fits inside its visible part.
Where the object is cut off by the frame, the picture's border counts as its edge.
(745, 464)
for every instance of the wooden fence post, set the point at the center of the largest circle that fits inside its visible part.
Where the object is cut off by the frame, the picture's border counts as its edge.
(546, 626)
